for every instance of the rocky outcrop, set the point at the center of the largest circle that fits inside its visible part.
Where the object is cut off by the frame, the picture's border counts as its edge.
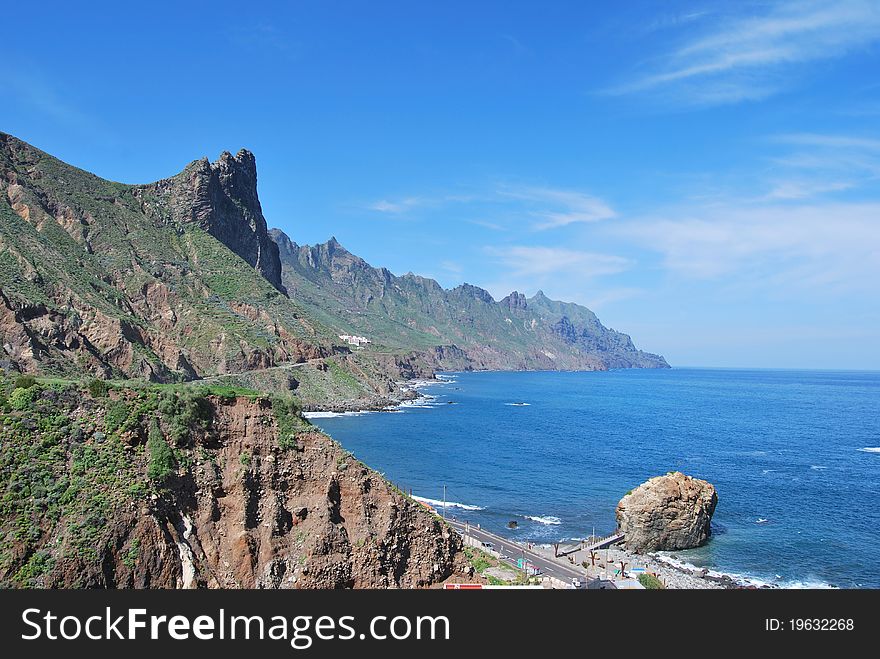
(667, 513)
(514, 301)
(138, 281)
(221, 197)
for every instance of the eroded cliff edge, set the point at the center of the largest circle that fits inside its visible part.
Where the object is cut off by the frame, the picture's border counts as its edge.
(168, 489)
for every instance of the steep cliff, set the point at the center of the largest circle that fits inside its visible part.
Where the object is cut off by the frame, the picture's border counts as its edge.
(221, 198)
(166, 489)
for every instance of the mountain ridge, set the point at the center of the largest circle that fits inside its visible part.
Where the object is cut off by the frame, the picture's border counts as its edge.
(513, 333)
(181, 279)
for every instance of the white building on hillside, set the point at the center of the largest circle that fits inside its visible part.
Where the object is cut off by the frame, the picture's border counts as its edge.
(357, 341)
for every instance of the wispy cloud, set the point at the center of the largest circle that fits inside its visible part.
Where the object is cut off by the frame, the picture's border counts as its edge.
(527, 261)
(396, 207)
(790, 190)
(452, 267)
(749, 57)
(555, 208)
(791, 246)
(672, 20)
(541, 208)
(494, 226)
(822, 163)
(831, 141)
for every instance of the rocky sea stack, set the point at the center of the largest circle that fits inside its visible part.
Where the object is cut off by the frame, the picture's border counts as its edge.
(667, 513)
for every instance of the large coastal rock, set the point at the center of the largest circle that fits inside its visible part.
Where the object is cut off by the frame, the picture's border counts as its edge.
(667, 513)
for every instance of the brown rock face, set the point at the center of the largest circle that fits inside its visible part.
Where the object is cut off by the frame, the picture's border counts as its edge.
(667, 513)
(247, 513)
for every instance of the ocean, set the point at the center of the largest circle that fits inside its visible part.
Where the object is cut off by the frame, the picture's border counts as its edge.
(794, 455)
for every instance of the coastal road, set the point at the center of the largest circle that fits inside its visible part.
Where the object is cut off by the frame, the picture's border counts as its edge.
(512, 551)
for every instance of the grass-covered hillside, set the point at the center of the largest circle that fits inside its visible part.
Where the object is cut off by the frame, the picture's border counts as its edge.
(132, 281)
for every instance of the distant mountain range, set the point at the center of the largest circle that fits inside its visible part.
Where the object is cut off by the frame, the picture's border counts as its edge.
(406, 312)
(180, 279)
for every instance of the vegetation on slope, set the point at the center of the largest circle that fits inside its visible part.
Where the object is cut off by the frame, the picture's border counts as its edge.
(72, 461)
(100, 277)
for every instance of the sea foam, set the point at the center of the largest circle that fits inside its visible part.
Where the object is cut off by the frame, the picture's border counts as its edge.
(449, 504)
(330, 415)
(550, 520)
(743, 579)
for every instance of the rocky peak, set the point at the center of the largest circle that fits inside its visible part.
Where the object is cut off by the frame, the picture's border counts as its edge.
(515, 300)
(333, 246)
(221, 197)
(285, 244)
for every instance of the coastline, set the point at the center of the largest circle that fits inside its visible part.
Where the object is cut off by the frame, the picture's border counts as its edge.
(675, 572)
(408, 394)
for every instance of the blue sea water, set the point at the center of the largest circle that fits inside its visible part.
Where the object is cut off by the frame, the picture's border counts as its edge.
(798, 494)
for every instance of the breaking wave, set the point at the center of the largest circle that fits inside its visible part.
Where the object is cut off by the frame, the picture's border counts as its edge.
(449, 504)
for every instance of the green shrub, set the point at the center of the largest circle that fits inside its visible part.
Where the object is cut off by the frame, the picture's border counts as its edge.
(39, 564)
(22, 398)
(183, 410)
(289, 421)
(162, 461)
(245, 459)
(98, 388)
(116, 415)
(25, 381)
(650, 582)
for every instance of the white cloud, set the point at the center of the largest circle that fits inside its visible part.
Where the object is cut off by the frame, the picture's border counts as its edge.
(831, 141)
(396, 207)
(494, 226)
(555, 208)
(822, 163)
(501, 206)
(749, 57)
(529, 261)
(829, 245)
(452, 267)
(790, 190)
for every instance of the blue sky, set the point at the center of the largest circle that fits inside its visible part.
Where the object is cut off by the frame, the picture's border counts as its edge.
(704, 175)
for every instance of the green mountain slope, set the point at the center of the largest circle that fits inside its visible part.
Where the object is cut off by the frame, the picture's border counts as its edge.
(167, 281)
(180, 279)
(412, 312)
